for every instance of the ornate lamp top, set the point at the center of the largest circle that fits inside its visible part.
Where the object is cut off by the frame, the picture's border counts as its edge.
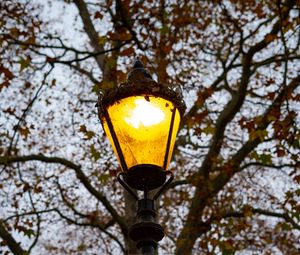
(140, 82)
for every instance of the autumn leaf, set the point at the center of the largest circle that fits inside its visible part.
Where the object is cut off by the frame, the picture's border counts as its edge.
(98, 15)
(24, 131)
(24, 63)
(274, 115)
(82, 128)
(27, 85)
(53, 82)
(88, 134)
(102, 40)
(95, 153)
(37, 189)
(122, 35)
(8, 74)
(164, 30)
(104, 178)
(30, 40)
(82, 247)
(270, 37)
(247, 211)
(208, 130)
(280, 152)
(297, 178)
(166, 48)
(227, 248)
(127, 52)
(260, 134)
(265, 158)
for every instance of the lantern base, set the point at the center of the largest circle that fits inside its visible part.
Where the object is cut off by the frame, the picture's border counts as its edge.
(145, 176)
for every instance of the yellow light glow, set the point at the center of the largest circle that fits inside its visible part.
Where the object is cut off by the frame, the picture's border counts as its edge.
(142, 126)
(145, 113)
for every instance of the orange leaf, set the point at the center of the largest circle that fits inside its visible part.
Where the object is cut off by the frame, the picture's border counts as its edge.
(122, 35)
(270, 37)
(98, 15)
(166, 48)
(8, 74)
(280, 153)
(127, 52)
(24, 132)
(82, 128)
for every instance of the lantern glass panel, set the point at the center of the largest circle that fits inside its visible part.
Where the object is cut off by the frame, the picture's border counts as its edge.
(142, 125)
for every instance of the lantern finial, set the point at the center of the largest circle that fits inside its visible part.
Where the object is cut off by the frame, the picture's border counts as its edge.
(138, 73)
(138, 64)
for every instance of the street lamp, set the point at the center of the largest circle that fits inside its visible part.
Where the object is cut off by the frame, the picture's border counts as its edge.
(141, 119)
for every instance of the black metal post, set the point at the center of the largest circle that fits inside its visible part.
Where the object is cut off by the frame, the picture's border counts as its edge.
(146, 232)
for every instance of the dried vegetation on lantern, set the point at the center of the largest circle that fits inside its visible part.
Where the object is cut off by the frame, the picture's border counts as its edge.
(148, 87)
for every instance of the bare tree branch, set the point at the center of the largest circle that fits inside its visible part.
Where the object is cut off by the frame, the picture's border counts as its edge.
(96, 54)
(27, 214)
(86, 73)
(177, 183)
(85, 216)
(91, 32)
(80, 175)
(38, 228)
(260, 164)
(232, 166)
(259, 211)
(21, 119)
(72, 221)
(11, 40)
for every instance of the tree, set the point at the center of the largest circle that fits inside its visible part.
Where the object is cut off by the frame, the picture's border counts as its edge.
(236, 159)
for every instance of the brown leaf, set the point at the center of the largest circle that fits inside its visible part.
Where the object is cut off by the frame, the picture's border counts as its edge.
(37, 189)
(53, 83)
(98, 15)
(8, 74)
(127, 52)
(280, 152)
(166, 48)
(4, 84)
(24, 131)
(82, 128)
(270, 37)
(121, 35)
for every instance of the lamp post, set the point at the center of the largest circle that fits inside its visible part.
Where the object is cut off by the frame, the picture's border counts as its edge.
(141, 119)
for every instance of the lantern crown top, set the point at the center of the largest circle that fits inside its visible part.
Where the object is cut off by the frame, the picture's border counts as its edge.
(138, 73)
(140, 82)
(138, 64)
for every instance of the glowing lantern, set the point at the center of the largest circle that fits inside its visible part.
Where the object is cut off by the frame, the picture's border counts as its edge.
(141, 119)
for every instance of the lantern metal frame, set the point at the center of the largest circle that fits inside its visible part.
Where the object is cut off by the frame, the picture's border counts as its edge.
(140, 83)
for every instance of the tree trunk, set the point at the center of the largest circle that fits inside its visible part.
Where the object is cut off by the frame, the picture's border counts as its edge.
(193, 227)
(130, 217)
